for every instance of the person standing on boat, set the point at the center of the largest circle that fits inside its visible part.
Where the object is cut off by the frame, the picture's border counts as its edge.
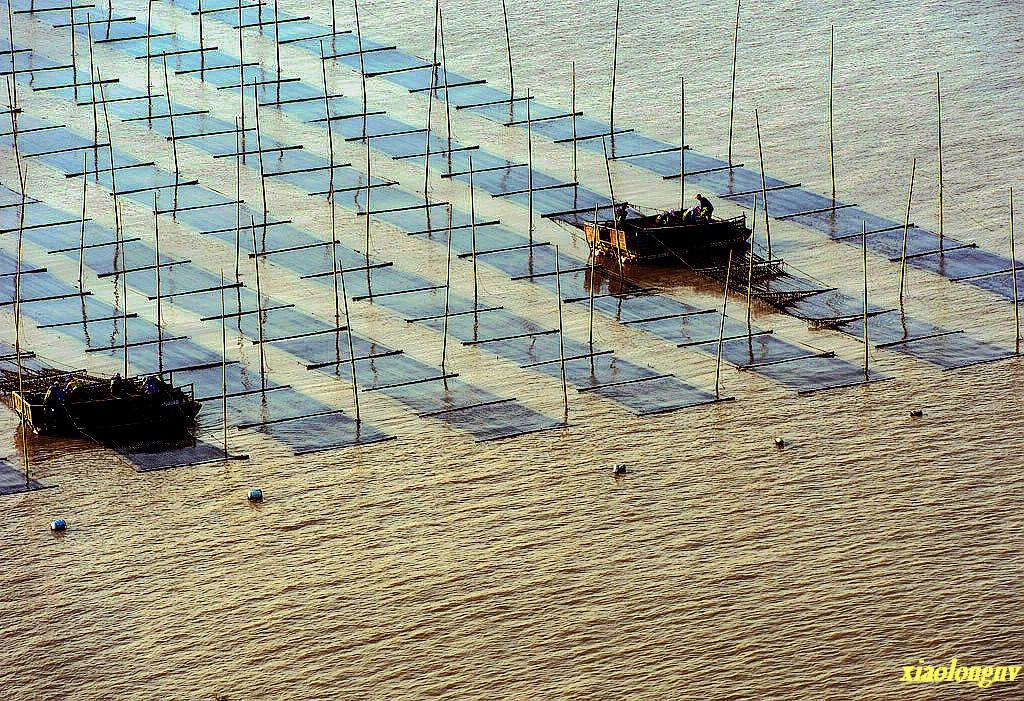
(705, 208)
(621, 212)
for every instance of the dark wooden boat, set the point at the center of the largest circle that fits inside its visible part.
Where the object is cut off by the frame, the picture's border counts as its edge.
(131, 408)
(638, 237)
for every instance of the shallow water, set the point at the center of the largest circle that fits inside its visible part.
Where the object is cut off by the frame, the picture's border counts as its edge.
(720, 566)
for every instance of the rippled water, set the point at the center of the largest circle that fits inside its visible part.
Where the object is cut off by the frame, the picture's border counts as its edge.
(720, 567)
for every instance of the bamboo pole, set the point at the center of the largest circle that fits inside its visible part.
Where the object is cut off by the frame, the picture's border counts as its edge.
(1013, 276)
(732, 94)
(764, 191)
(259, 153)
(682, 144)
(340, 272)
(362, 67)
(110, 150)
(447, 289)
(831, 143)
(149, 53)
(447, 102)
(241, 80)
(529, 153)
(433, 62)
(159, 301)
(366, 247)
(508, 50)
(593, 274)
(223, 362)
(259, 307)
(906, 231)
(238, 202)
(327, 118)
(74, 68)
(426, 151)
(721, 331)
(202, 59)
(938, 108)
(81, 244)
(472, 230)
(170, 118)
(124, 291)
(334, 21)
(95, 116)
(572, 111)
(615, 60)
(13, 100)
(864, 253)
(561, 344)
(277, 50)
(750, 268)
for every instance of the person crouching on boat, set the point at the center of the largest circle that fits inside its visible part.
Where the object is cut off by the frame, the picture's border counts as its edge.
(621, 212)
(700, 213)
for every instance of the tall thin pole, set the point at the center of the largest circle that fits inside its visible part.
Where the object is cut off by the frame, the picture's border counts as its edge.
(277, 49)
(1013, 276)
(608, 172)
(149, 52)
(95, 116)
(340, 272)
(447, 102)
(831, 143)
(13, 99)
(202, 53)
(238, 200)
(174, 142)
(561, 344)
(259, 153)
(682, 143)
(529, 154)
(159, 301)
(906, 231)
(864, 253)
(732, 94)
(366, 247)
(615, 60)
(750, 268)
(721, 331)
(764, 191)
(124, 290)
(472, 229)
(593, 274)
(259, 306)
(241, 80)
(447, 288)
(74, 68)
(508, 50)
(327, 117)
(426, 151)
(938, 108)
(362, 67)
(572, 111)
(81, 244)
(223, 362)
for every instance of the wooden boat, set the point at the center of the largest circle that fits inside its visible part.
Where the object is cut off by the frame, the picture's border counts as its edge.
(638, 237)
(131, 408)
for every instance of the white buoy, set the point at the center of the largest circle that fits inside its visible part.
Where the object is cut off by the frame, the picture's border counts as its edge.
(59, 526)
(618, 469)
(255, 495)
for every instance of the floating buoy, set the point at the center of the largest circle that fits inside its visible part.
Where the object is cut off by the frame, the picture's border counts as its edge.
(917, 412)
(255, 495)
(780, 442)
(59, 526)
(618, 469)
